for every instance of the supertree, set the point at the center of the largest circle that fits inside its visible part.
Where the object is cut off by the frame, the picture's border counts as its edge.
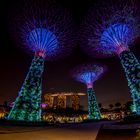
(45, 30)
(88, 74)
(110, 30)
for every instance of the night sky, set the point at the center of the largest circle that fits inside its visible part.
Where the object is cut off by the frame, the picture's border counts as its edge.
(111, 88)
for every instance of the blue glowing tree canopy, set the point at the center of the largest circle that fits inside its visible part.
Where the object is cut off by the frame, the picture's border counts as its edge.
(109, 28)
(116, 36)
(87, 73)
(43, 25)
(42, 39)
(87, 77)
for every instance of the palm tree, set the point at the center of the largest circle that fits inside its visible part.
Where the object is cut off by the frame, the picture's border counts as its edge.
(100, 105)
(118, 105)
(111, 106)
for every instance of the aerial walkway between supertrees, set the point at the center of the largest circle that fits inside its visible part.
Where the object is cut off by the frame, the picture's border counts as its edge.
(88, 74)
(45, 30)
(110, 29)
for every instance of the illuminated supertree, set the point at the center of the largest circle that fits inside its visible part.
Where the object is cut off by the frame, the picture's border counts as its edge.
(47, 31)
(88, 74)
(111, 30)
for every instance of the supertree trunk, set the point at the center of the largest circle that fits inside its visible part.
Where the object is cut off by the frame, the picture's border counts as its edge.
(93, 109)
(27, 106)
(131, 68)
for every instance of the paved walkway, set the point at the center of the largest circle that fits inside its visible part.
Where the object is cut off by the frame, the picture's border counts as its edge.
(86, 131)
(105, 134)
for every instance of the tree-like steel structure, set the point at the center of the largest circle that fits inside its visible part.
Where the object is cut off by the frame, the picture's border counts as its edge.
(88, 74)
(111, 30)
(46, 30)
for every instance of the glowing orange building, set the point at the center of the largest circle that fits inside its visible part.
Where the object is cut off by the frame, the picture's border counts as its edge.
(48, 101)
(75, 100)
(61, 98)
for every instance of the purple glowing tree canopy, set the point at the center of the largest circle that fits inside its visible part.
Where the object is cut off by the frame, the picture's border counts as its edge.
(45, 29)
(116, 37)
(110, 29)
(88, 73)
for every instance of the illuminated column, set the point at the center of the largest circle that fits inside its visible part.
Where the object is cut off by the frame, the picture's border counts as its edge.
(27, 104)
(61, 101)
(132, 71)
(47, 31)
(88, 74)
(93, 109)
(49, 100)
(75, 99)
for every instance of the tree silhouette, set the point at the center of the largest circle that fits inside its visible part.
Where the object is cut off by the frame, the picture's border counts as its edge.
(118, 105)
(111, 106)
(100, 105)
